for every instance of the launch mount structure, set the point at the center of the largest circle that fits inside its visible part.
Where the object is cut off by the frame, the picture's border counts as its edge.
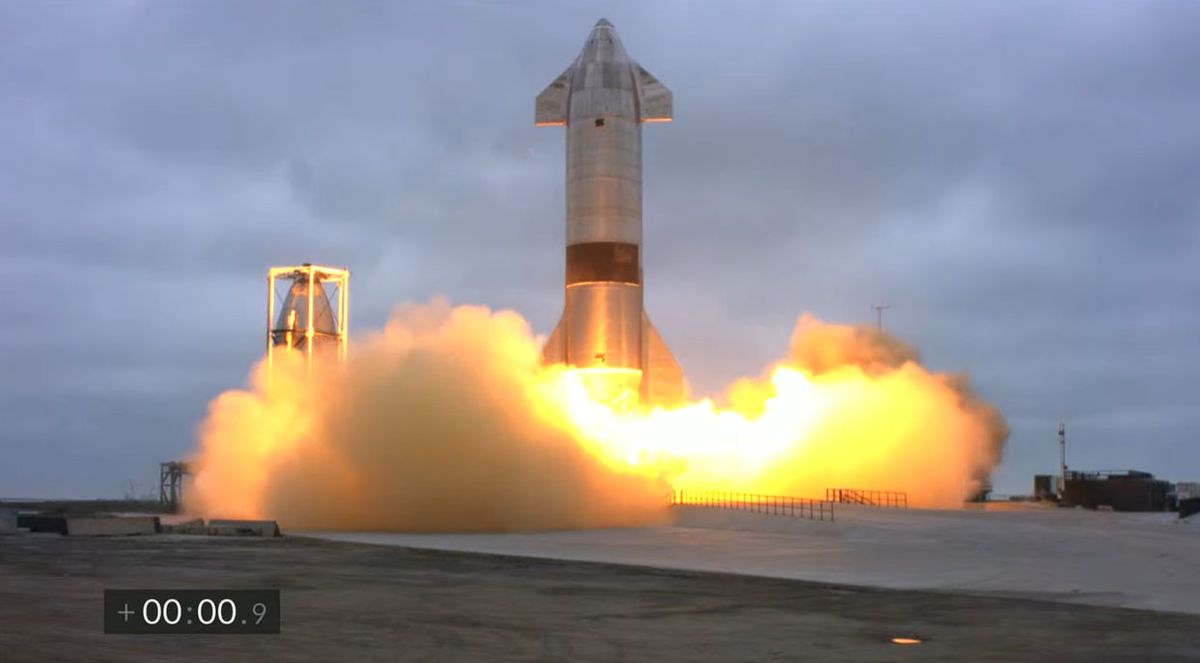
(308, 321)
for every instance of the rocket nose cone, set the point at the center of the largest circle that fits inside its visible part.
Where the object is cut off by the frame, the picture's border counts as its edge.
(603, 45)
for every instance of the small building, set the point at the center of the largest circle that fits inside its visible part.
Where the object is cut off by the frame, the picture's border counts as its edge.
(1045, 487)
(1187, 489)
(1120, 490)
(983, 493)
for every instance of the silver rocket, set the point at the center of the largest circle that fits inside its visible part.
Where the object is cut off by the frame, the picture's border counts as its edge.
(602, 99)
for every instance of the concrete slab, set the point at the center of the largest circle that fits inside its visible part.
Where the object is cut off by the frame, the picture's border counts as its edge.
(265, 528)
(44, 524)
(1113, 559)
(192, 526)
(8, 521)
(133, 526)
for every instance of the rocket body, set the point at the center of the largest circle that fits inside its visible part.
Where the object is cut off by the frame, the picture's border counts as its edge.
(603, 99)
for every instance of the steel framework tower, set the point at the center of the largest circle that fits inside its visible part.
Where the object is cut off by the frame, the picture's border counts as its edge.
(307, 320)
(170, 483)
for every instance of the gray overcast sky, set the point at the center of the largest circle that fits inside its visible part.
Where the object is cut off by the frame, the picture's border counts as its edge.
(1019, 180)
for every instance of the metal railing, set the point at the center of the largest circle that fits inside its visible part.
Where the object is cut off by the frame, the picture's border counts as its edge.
(894, 499)
(776, 505)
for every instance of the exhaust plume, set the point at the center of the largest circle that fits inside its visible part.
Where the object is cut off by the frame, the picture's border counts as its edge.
(434, 424)
(446, 421)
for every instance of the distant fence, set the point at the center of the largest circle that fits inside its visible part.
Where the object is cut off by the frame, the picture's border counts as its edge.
(776, 505)
(887, 498)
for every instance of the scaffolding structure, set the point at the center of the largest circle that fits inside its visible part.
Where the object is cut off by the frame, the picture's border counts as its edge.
(307, 319)
(170, 483)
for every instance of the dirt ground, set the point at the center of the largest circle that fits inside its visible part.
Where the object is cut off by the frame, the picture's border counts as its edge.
(354, 602)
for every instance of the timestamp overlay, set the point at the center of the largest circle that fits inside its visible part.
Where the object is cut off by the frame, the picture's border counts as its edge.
(164, 611)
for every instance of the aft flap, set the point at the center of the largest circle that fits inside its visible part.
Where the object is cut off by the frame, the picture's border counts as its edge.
(662, 378)
(555, 351)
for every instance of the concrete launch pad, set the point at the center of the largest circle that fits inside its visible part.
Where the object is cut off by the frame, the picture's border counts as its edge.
(345, 601)
(1126, 560)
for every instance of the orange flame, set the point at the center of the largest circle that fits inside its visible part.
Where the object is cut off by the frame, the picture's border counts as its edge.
(446, 420)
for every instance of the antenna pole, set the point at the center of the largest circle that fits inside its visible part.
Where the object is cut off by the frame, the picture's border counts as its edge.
(1062, 459)
(879, 314)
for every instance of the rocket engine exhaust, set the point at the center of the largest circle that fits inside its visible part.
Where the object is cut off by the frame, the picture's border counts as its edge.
(448, 420)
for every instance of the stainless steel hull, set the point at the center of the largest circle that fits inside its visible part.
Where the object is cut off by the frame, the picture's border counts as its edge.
(603, 99)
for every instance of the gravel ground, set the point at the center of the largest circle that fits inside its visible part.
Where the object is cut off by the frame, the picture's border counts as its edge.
(357, 602)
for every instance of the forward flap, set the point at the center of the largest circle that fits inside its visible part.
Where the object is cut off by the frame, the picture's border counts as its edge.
(550, 109)
(656, 102)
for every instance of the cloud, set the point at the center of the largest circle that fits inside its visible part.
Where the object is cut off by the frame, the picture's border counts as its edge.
(1016, 179)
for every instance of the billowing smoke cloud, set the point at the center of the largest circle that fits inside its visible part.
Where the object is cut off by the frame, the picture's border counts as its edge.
(821, 348)
(884, 422)
(446, 421)
(435, 424)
